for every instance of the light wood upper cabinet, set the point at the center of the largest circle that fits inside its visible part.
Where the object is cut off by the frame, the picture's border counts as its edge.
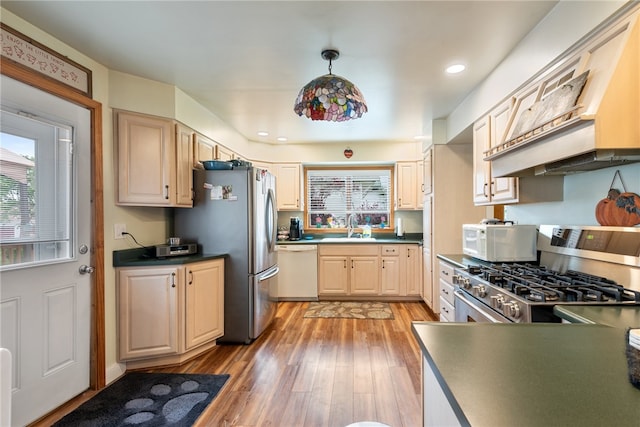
(264, 165)
(203, 149)
(154, 161)
(146, 153)
(409, 183)
(288, 194)
(487, 132)
(184, 166)
(223, 153)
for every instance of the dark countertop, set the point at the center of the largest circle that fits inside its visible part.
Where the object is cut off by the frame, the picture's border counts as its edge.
(462, 261)
(618, 316)
(145, 257)
(409, 238)
(537, 374)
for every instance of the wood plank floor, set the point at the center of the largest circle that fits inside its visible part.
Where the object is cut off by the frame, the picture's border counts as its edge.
(313, 372)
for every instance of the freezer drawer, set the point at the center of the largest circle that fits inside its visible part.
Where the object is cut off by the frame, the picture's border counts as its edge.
(265, 301)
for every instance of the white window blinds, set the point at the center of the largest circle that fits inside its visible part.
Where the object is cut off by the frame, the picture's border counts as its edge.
(334, 195)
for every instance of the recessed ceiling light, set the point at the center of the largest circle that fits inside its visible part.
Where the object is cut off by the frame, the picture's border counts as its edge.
(263, 133)
(455, 69)
(282, 138)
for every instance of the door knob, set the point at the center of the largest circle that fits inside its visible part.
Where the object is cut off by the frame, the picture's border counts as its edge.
(86, 269)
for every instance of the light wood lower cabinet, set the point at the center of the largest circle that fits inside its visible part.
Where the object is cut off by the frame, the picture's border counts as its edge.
(446, 287)
(365, 270)
(148, 311)
(168, 314)
(346, 270)
(204, 309)
(364, 276)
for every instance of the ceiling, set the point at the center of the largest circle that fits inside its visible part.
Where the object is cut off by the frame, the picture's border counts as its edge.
(246, 61)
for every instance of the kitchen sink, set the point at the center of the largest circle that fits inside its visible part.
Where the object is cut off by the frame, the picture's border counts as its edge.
(349, 239)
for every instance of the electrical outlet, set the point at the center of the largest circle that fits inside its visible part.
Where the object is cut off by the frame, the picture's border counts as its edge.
(118, 230)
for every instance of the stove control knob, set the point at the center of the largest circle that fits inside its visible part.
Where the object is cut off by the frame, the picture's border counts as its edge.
(511, 309)
(480, 291)
(465, 282)
(497, 301)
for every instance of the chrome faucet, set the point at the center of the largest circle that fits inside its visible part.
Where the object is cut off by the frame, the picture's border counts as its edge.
(349, 225)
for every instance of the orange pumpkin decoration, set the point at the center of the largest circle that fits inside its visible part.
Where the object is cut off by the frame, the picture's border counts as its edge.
(619, 209)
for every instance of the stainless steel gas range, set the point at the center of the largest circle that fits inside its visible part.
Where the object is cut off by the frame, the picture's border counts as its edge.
(577, 265)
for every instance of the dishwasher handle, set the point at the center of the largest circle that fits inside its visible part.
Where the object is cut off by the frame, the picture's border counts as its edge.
(297, 248)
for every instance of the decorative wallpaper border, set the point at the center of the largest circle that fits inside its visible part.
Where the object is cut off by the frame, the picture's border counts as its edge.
(28, 53)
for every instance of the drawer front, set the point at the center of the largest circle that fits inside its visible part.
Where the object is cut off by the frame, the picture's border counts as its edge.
(446, 291)
(349, 250)
(446, 272)
(447, 312)
(390, 250)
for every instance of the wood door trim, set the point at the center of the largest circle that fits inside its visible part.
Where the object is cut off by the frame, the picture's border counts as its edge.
(24, 75)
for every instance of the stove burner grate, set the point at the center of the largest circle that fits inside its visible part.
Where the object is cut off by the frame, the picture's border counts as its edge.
(539, 284)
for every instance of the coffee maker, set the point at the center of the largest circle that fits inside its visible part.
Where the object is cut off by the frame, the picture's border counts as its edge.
(295, 229)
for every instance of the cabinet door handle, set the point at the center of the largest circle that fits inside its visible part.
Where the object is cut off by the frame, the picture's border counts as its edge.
(166, 192)
(484, 190)
(351, 263)
(190, 277)
(382, 263)
(491, 188)
(173, 280)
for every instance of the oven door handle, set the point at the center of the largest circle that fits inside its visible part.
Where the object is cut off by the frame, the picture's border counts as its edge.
(489, 316)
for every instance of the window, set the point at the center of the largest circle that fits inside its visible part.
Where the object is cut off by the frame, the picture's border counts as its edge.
(35, 191)
(336, 195)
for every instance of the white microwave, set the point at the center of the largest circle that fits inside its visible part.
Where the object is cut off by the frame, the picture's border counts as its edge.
(500, 242)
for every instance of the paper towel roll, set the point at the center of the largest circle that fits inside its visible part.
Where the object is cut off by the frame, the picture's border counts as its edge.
(399, 229)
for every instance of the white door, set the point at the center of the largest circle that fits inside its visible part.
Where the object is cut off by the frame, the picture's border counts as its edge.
(45, 300)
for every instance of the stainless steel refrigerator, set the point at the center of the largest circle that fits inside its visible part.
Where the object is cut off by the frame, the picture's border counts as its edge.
(235, 212)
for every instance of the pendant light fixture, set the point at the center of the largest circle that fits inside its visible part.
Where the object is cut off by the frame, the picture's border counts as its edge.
(330, 97)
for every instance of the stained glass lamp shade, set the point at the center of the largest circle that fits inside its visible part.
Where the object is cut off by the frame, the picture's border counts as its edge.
(330, 97)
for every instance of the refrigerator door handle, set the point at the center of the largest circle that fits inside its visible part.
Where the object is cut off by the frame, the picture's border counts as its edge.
(269, 275)
(271, 220)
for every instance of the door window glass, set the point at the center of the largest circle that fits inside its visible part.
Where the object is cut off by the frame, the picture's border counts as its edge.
(36, 180)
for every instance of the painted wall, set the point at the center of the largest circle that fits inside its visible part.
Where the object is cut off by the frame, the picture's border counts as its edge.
(582, 192)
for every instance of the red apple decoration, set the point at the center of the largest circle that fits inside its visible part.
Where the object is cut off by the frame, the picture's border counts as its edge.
(348, 152)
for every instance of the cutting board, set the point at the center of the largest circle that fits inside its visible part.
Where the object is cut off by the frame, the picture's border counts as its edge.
(554, 104)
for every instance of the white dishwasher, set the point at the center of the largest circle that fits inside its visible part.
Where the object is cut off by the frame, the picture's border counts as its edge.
(298, 277)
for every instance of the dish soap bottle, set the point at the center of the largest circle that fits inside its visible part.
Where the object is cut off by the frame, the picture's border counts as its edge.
(366, 231)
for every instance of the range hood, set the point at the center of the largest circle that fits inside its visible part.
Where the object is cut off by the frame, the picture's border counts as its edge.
(603, 128)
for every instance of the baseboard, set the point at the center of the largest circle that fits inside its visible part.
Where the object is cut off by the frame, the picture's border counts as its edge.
(114, 372)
